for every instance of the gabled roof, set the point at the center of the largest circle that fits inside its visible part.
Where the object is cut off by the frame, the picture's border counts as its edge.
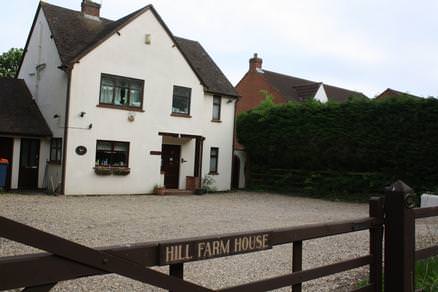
(339, 94)
(209, 73)
(294, 88)
(392, 93)
(19, 114)
(75, 35)
(307, 91)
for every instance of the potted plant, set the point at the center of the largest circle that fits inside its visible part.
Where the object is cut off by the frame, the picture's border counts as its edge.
(159, 190)
(102, 170)
(121, 170)
(207, 186)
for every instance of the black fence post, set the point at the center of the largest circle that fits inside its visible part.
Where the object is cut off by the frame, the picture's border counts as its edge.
(297, 262)
(376, 243)
(399, 238)
(177, 271)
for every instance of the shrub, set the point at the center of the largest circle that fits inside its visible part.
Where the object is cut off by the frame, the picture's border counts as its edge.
(395, 138)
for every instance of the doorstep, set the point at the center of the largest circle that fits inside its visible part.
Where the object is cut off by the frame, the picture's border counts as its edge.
(177, 192)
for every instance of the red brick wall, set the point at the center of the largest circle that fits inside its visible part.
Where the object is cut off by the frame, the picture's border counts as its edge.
(249, 88)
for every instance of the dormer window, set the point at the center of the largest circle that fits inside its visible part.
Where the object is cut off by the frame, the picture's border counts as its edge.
(121, 92)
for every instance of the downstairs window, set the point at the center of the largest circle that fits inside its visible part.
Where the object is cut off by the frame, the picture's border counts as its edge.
(111, 153)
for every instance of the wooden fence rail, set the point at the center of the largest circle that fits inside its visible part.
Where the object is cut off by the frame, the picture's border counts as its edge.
(67, 260)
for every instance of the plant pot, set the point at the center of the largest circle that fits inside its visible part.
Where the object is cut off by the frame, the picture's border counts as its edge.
(200, 191)
(121, 170)
(160, 191)
(102, 170)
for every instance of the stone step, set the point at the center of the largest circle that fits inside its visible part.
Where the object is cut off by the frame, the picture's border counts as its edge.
(176, 192)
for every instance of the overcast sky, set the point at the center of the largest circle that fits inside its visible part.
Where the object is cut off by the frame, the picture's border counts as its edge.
(365, 45)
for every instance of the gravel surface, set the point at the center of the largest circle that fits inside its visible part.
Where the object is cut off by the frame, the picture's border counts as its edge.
(113, 220)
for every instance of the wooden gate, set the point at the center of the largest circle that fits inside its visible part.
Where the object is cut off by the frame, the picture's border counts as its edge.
(67, 260)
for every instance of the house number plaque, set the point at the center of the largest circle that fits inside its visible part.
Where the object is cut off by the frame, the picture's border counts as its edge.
(81, 150)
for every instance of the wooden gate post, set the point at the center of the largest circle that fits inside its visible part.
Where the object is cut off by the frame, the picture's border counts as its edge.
(376, 243)
(399, 238)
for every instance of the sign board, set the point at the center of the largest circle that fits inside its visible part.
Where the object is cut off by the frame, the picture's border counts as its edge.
(186, 251)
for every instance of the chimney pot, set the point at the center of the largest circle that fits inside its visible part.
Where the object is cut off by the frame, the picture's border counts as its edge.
(255, 63)
(90, 8)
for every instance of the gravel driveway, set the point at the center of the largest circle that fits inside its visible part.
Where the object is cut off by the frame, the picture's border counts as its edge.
(112, 220)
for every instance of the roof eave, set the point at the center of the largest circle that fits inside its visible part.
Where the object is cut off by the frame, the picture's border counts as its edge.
(23, 134)
(215, 92)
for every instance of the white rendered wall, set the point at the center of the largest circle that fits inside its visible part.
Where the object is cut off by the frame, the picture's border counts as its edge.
(219, 135)
(50, 88)
(321, 94)
(161, 66)
(15, 163)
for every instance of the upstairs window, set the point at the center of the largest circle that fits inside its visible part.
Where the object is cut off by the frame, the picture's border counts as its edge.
(121, 91)
(214, 158)
(111, 153)
(181, 100)
(55, 150)
(217, 100)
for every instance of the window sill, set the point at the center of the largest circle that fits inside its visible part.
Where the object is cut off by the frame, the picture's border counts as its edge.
(213, 173)
(216, 121)
(125, 108)
(180, 115)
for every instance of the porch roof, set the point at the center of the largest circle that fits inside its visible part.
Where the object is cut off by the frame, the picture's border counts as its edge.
(180, 135)
(19, 114)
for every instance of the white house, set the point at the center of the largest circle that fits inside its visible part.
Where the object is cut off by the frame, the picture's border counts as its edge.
(130, 105)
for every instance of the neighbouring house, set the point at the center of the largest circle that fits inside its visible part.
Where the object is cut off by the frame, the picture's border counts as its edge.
(23, 130)
(258, 81)
(130, 105)
(391, 93)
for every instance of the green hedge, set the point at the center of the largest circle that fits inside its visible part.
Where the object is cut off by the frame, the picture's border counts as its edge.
(319, 183)
(394, 138)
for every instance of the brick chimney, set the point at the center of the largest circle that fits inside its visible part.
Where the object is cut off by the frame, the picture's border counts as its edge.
(255, 63)
(90, 8)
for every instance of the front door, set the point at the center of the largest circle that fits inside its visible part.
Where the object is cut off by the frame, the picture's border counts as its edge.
(29, 161)
(170, 155)
(6, 145)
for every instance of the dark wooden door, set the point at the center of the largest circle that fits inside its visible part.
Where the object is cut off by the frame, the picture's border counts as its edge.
(6, 146)
(236, 172)
(170, 156)
(29, 161)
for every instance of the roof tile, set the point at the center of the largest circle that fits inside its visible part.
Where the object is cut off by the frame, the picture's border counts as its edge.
(19, 114)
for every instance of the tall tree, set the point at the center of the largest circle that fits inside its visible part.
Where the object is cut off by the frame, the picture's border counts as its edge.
(9, 62)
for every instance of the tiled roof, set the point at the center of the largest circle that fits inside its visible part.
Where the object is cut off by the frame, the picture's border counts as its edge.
(294, 88)
(19, 114)
(392, 93)
(76, 34)
(207, 70)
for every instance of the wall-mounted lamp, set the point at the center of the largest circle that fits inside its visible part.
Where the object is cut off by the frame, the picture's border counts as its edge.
(82, 114)
(55, 116)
